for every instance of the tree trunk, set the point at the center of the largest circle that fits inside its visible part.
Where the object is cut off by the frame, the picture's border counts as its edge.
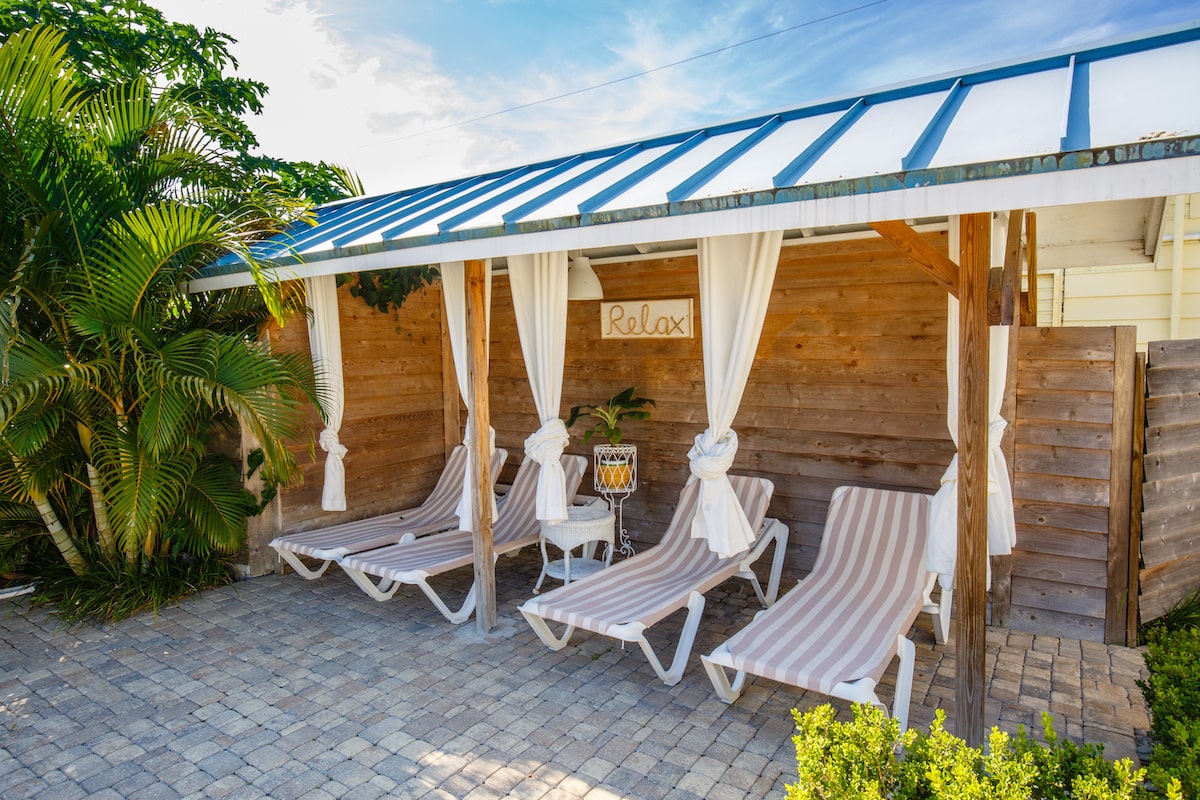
(62, 539)
(108, 542)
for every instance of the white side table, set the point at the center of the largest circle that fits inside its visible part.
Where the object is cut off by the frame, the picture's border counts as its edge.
(584, 525)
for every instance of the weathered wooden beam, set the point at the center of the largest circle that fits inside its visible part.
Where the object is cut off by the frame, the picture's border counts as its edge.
(1010, 288)
(1137, 476)
(995, 290)
(970, 577)
(1120, 476)
(451, 422)
(481, 511)
(924, 255)
(1029, 297)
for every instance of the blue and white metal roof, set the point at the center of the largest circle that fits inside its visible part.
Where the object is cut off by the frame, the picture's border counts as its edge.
(1117, 120)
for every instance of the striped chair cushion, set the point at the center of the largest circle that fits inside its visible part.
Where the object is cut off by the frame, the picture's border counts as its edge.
(841, 622)
(654, 583)
(435, 514)
(516, 526)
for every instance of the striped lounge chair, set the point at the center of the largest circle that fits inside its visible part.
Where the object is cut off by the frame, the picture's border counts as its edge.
(414, 562)
(337, 541)
(624, 600)
(838, 629)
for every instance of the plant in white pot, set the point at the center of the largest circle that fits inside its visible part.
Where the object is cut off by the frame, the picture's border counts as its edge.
(614, 462)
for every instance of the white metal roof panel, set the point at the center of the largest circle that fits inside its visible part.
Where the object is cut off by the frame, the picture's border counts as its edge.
(1119, 119)
(1022, 115)
(1146, 95)
(878, 142)
(653, 189)
(757, 168)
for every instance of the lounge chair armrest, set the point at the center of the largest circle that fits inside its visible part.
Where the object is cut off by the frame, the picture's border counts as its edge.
(772, 531)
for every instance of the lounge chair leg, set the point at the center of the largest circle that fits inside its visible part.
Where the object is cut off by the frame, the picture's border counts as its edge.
(684, 649)
(302, 569)
(543, 630)
(904, 678)
(457, 617)
(781, 540)
(728, 692)
(385, 590)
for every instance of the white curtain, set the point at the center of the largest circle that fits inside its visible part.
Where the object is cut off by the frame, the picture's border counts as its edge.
(539, 292)
(736, 275)
(455, 299)
(325, 341)
(942, 545)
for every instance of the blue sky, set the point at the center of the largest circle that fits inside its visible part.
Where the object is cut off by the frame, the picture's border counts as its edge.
(373, 83)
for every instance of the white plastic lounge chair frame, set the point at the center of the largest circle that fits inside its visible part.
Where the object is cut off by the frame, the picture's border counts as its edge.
(415, 562)
(626, 599)
(838, 629)
(337, 541)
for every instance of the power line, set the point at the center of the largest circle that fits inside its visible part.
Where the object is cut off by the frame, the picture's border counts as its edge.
(614, 81)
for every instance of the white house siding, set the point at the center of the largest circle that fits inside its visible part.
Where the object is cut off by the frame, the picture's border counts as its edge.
(1129, 294)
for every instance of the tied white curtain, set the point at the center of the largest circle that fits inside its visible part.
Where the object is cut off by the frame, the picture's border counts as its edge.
(736, 275)
(455, 299)
(539, 292)
(325, 340)
(942, 545)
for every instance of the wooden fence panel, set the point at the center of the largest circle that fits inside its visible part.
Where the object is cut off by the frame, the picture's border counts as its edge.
(1170, 551)
(1072, 452)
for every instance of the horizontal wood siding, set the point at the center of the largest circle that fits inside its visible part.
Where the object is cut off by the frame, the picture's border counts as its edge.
(848, 386)
(1171, 493)
(1071, 509)
(392, 425)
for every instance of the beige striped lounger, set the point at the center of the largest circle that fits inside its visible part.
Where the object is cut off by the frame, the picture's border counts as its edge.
(414, 562)
(838, 629)
(337, 541)
(625, 599)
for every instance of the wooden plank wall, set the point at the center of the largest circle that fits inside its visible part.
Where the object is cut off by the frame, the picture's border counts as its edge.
(848, 386)
(1171, 493)
(1073, 442)
(392, 425)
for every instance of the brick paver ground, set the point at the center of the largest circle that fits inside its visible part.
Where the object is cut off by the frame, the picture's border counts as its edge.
(288, 689)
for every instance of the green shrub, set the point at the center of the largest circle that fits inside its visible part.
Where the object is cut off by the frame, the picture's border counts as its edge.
(1173, 695)
(870, 759)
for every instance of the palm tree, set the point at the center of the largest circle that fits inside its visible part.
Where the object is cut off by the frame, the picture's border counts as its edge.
(114, 378)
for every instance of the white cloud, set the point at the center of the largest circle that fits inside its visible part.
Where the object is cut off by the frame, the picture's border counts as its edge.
(332, 101)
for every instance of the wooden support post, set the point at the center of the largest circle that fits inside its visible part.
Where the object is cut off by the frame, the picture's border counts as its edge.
(481, 457)
(1137, 479)
(970, 577)
(1010, 289)
(1030, 298)
(1002, 565)
(1119, 499)
(451, 403)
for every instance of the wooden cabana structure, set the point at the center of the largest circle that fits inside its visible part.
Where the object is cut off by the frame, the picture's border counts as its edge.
(936, 176)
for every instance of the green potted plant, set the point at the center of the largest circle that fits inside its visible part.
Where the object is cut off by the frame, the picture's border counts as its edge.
(615, 461)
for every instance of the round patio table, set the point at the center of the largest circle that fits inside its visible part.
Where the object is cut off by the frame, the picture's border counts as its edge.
(583, 526)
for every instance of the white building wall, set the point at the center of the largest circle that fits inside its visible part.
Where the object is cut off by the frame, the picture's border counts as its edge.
(1130, 294)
